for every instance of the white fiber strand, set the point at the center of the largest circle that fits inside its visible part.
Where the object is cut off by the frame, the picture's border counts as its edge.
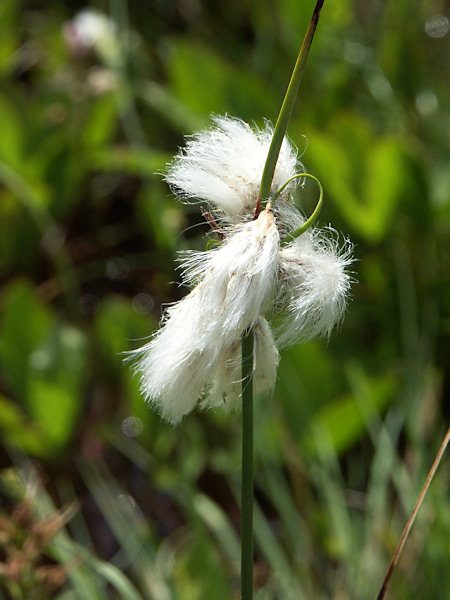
(284, 293)
(223, 166)
(235, 282)
(315, 284)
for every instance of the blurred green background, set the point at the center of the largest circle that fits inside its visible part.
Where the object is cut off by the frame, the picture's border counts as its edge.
(100, 499)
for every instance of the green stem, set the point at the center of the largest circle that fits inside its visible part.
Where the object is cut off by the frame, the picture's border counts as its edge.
(247, 338)
(247, 468)
(286, 110)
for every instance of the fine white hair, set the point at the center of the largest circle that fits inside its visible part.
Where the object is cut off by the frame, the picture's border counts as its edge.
(223, 165)
(314, 286)
(226, 384)
(251, 281)
(234, 284)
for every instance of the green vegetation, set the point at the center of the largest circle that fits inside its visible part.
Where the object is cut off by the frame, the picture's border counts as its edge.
(99, 498)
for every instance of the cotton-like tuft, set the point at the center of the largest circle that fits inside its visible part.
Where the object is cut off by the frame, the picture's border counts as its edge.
(223, 166)
(314, 286)
(226, 385)
(284, 293)
(239, 275)
(234, 283)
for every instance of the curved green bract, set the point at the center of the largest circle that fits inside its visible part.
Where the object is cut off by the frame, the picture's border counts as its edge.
(312, 219)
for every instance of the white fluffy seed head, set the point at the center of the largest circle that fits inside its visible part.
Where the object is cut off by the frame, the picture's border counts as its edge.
(234, 285)
(226, 385)
(238, 277)
(223, 166)
(195, 357)
(314, 286)
(173, 369)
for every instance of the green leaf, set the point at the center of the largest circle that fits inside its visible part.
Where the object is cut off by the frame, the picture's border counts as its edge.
(54, 408)
(12, 137)
(386, 181)
(228, 88)
(56, 383)
(141, 162)
(365, 176)
(45, 364)
(9, 35)
(345, 421)
(116, 578)
(306, 378)
(218, 523)
(11, 220)
(117, 327)
(199, 573)
(212, 243)
(25, 322)
(160, 216)
(18, 431)
(101, 122)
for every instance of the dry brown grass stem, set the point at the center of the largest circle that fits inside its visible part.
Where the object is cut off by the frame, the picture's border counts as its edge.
(412, 518)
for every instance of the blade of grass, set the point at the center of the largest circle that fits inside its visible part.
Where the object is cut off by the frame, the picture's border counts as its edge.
(85, 583)
(288, 584)
(217, 521)
(413, 516)
(274, 484)
(128, 527)
(327, 474)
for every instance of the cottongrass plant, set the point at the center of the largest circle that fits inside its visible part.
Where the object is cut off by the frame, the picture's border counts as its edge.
(251, 280)
(270, 280)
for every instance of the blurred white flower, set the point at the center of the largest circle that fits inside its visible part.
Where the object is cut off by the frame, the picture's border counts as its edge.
(92, 27)
(91, 30)
(250, 280)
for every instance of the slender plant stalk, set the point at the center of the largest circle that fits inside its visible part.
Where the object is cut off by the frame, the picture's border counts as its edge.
(286, 110)
(413, 516)
(247, 468)
(248, 337)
